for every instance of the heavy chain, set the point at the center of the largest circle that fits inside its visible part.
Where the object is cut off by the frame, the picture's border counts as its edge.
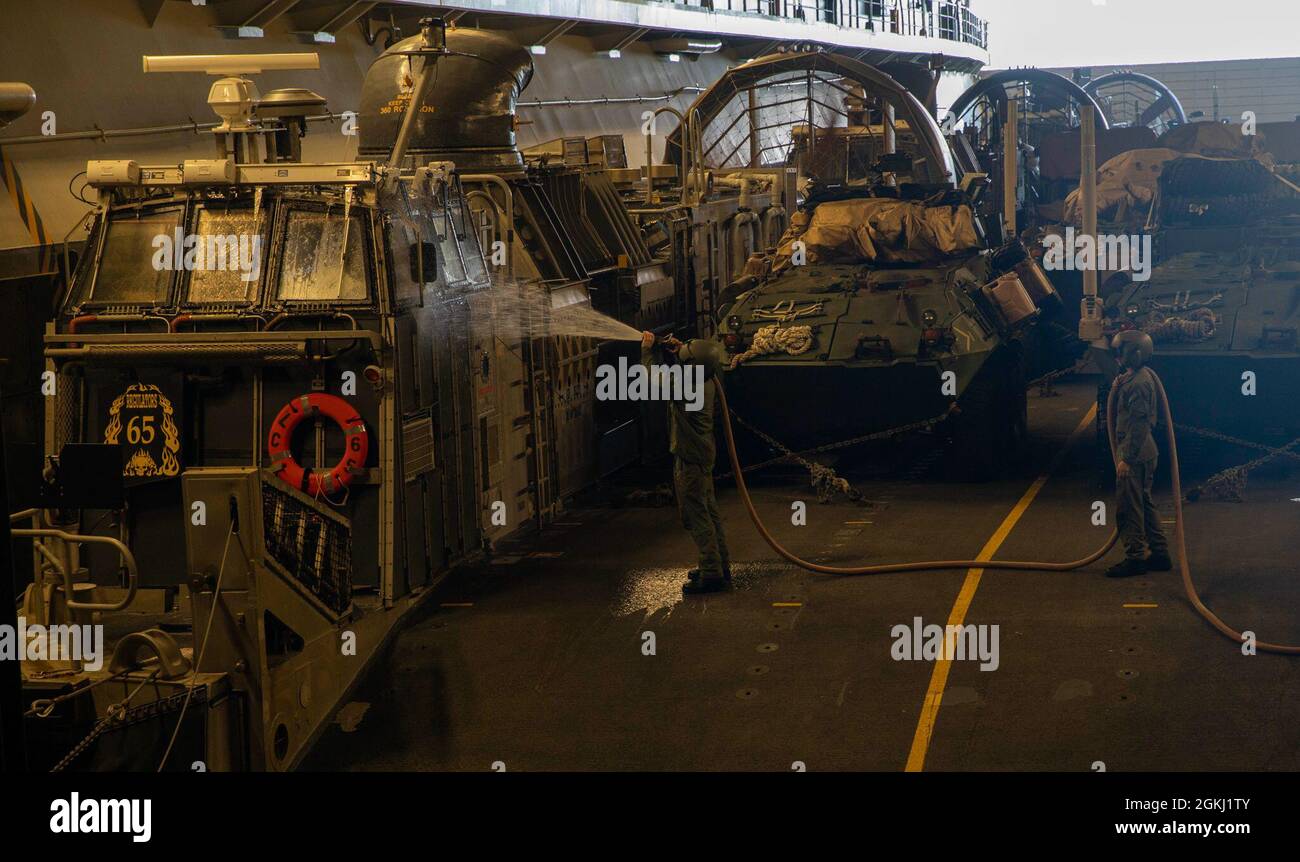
(1246, 444)
(119, 714)
(1045, 382)
(824, 479)
(1229, 484)
(832, 483)
(100, 726)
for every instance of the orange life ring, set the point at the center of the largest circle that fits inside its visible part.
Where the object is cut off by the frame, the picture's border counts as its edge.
(356, 448)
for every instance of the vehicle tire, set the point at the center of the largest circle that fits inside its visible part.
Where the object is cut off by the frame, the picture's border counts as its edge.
(976, 447)
(992, 428)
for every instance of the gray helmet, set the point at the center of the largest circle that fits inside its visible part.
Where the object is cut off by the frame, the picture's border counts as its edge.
(1133, 346)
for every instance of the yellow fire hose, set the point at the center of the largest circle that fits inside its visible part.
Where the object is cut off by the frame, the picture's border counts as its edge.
(888, 568)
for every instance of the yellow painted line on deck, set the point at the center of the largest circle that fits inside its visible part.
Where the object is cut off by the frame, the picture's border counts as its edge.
(939, 676)
(787, 604)
(1138, 605)
(457, 604)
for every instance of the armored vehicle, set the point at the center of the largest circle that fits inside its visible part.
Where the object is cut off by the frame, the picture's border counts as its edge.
(826, 353)
(882, 307)
(1223, 300)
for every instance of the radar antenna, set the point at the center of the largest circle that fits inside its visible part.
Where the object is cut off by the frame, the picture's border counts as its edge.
(233, 97)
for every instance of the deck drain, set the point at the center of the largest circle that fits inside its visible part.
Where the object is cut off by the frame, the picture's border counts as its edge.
(1127, 674)
(768, 647)
(1132, 650)
(1135, 628)
(758, 669)
(775, 626)
(747, 693)
(1126, 697)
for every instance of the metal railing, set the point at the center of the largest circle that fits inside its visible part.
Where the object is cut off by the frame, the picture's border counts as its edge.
(58, 558)
(944, 19)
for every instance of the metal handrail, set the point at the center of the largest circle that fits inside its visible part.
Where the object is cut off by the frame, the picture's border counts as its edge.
(128, 559)
(943, 19)
(506, 212)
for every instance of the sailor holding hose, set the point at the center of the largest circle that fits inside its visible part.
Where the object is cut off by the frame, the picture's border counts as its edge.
(1136, 412)
(690, 439)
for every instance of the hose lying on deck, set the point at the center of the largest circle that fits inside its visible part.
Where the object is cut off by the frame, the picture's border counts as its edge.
(932, 565)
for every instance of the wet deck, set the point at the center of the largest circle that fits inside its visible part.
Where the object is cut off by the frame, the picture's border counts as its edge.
(535, 660)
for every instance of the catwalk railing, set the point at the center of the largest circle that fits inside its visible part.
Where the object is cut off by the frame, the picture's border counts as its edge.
(932, 18)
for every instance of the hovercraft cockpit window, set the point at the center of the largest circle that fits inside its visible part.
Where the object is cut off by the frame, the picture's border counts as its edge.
(324, 257)
(230, 252)
(138, 259)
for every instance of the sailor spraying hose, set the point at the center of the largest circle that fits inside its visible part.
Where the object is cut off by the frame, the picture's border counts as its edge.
(1189, 587)
(690, 439)
(1145, 546)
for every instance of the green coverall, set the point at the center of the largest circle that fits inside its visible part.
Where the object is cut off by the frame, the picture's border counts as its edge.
(690, 440)
(1136, 516)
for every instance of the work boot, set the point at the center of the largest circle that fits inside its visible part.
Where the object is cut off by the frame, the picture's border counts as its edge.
(705, 585)
(694, 574)
(1127, 569)
(1159, 563)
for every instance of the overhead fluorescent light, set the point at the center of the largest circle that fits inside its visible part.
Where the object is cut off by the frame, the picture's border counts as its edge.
(613, 53)
(674, 58)
(537, 49)
(686, 46)
(239, 32)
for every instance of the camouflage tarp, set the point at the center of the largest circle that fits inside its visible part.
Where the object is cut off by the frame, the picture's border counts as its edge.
(1127, 183)
(1226, 140)
(1124, 184)
(886, 230)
